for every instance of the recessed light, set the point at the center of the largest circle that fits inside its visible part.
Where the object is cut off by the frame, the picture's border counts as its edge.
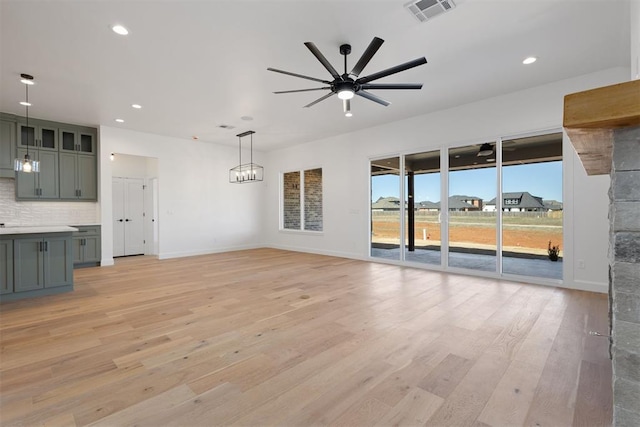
(119, 120)
(529, 60)
(136, 106)
(26, 104)
(119, 29)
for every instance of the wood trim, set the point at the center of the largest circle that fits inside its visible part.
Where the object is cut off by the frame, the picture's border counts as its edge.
(591, 115)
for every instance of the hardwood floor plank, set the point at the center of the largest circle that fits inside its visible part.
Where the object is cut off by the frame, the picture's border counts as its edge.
(414, 409)
(232, 339)
(445, 377)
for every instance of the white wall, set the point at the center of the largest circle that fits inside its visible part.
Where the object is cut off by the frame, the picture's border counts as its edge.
(345, 163)
(199, 210)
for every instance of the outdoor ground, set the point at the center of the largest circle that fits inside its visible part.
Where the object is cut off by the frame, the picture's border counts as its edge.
(526, 233)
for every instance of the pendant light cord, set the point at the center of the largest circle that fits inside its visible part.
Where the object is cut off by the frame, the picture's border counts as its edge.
(27, 107)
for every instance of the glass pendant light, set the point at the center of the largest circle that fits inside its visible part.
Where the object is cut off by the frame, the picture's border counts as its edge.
(27, 164)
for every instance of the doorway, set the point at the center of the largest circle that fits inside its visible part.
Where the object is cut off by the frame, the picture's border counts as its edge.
(135, 213)
(128, 216)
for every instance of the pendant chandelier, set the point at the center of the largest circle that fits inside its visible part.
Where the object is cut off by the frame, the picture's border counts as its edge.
(27, 164)
(248, 172)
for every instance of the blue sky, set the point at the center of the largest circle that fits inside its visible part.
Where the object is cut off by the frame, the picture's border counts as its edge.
(539, 179)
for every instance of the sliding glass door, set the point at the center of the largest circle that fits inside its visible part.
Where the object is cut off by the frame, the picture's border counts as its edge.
(502, 212)
(472, 229)
(422, 214)
(385, 208)
(532, 206)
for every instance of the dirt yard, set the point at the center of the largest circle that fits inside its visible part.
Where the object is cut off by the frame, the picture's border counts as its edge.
(523, 238)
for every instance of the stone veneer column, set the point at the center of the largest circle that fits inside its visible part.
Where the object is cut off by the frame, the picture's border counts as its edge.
(624, 272)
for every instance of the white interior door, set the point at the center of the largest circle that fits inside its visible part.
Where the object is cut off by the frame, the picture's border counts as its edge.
(118, 216)
(128, 216)
(134, 216)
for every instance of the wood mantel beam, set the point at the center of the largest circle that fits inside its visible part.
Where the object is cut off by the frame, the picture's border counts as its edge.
(591, 116)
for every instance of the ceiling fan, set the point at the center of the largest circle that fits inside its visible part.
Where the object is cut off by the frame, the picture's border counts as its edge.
(349, 84)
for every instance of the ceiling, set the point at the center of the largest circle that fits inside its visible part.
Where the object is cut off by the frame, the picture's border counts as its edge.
(196, 65)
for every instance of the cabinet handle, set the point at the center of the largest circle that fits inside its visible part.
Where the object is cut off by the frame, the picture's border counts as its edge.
(120, 220)
(39, 246)
(46, 246)
(79, 193)
(127, 220)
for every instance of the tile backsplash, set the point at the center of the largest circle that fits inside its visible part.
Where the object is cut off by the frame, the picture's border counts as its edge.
(13, 213)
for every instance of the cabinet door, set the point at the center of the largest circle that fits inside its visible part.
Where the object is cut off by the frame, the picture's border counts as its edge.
(58, 262)
(78, 250)
(87, 143)
(47, 138)
(87, 174)
(68, 175)
(6, 266)
(48, 179)
(27, 135)
(91, 246)
(28, 262)
(68, 140)
(7, 148)
(26, 183)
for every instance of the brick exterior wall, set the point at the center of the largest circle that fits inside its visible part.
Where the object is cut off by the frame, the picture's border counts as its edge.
(313, 200)
(624, 276)
(291, 208)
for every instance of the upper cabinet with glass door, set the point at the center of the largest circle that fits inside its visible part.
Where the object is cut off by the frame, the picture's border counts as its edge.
(38, 135)
(75, 140)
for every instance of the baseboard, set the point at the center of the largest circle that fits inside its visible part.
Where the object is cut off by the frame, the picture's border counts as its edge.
(319, 252)
(585, 285)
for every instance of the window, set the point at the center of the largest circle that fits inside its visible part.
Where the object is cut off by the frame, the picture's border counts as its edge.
(302, 200)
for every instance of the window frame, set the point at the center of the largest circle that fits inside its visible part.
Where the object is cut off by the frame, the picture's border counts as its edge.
(301, 184)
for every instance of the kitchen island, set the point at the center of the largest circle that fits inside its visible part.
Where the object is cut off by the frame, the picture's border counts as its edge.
(35, 261)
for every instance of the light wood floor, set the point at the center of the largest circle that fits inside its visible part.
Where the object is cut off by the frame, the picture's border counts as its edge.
(268, 337)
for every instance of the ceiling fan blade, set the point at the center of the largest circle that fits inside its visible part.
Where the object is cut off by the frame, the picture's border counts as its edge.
(367, 55)
(312, 47)
(298, 75)
(303, 90)
(391, 86)
(392, 70)
(319, 99)
(372, 97)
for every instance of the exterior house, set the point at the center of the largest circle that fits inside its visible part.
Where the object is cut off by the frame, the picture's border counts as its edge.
(518, 202)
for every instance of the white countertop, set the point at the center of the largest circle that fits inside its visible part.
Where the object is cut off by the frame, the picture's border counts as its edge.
(37, 230)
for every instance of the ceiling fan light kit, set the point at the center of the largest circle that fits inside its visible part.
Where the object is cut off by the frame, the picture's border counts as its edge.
(485, 150)
(248, 172)
(349, 84)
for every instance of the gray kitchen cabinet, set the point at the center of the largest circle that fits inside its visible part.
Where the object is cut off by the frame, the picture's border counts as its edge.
(78, 176)
(78, 140)
(6, 266)
(86, 245)
(39, 134)
(43, 185)
(42, 262)
(7, 148)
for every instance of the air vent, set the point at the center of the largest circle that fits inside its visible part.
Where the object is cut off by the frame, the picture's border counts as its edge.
(226, 127)
(424, 10)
